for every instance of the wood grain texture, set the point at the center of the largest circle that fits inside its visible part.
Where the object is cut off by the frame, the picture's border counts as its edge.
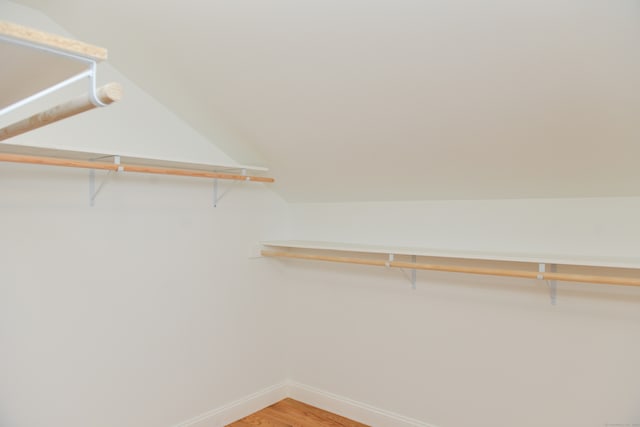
(53, 161)
(197, 174)
(291, 413)
(19, 32)
(107, 94)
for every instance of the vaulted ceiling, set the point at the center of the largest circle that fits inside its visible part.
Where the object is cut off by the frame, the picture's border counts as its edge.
(397, 99)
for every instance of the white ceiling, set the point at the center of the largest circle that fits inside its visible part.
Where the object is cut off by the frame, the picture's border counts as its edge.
(393, 100)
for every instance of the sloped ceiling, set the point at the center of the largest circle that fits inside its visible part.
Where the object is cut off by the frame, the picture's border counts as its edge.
(351, 100)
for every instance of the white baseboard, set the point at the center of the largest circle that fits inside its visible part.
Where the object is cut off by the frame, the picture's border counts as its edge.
(350, 408)
(240, 408)
(340, 405)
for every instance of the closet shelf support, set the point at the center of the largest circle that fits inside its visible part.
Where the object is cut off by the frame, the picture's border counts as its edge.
(551, 283)
(411, 275)
(217, 197)
(76, 56)
(93, 192)
(44, 42)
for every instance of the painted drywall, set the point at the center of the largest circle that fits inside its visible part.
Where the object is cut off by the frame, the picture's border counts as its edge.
(144, 310)
(470, 350)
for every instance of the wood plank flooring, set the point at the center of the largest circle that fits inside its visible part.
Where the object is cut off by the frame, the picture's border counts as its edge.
(291, 413)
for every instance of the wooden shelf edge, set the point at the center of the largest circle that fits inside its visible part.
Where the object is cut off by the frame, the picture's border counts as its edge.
(52, 41)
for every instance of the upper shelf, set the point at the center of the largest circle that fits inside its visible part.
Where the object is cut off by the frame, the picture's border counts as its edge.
(585, 261)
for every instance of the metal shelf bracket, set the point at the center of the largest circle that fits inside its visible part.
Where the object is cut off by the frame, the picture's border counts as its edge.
(93, 192)
(411, 275)
(90, 72)
(551, 284)
(216, 196)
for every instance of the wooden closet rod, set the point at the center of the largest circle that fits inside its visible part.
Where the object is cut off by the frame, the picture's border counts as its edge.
(107, 94)
(583, 278)
(54, 161)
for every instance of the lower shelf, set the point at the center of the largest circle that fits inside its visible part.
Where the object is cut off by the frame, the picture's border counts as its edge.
(570, 269)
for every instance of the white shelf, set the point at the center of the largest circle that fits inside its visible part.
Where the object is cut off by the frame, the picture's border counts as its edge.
(125, 158)
(585, 261)
(541, 267)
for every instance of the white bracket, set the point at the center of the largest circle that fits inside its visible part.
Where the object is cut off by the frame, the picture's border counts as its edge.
(215, 193)
(216, 196)
(90, 72)
(413, 273)
(93, 192)
(410, 276)
(551, 284)
(388, 263)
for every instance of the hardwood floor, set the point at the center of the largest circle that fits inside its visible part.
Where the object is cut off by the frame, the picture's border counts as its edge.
(291, 413)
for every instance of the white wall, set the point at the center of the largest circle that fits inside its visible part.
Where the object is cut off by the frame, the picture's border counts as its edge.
(144, 310)
(469, 350)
